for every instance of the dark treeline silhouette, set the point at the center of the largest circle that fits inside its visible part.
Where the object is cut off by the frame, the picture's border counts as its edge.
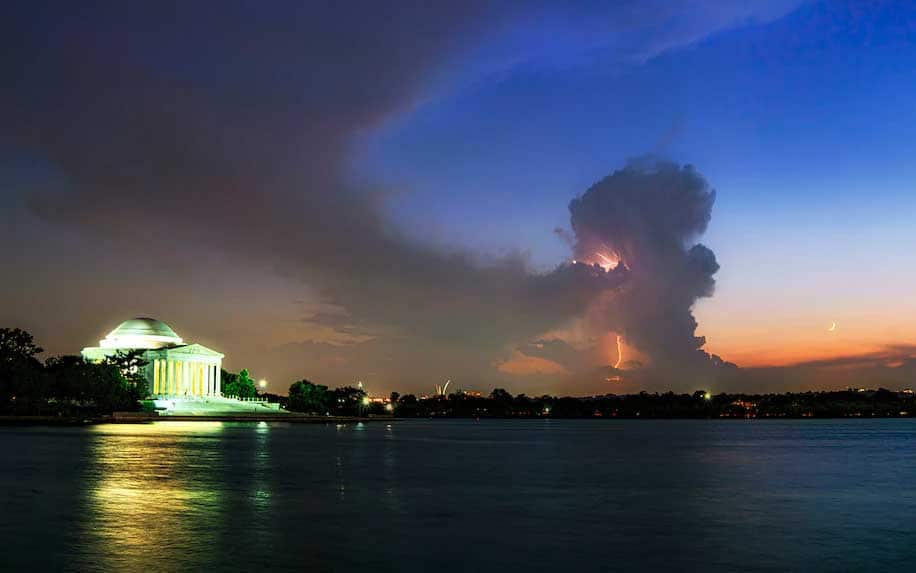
(305, 396)
(65, 385)
(700, 404)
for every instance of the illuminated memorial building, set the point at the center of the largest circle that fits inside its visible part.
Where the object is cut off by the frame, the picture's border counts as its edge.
(174, 368)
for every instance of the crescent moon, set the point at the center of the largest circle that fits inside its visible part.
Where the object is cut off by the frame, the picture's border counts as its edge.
(832, 327)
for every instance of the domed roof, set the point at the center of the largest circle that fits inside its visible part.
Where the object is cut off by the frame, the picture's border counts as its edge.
(141, 333)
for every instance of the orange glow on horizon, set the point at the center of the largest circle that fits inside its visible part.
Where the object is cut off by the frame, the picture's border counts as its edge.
(790, 344)
(760, 325)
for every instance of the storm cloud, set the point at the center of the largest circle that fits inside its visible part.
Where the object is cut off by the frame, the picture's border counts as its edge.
(645, 217)
(638, 225)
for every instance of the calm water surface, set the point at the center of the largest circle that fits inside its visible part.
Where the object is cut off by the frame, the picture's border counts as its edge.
(461, 496)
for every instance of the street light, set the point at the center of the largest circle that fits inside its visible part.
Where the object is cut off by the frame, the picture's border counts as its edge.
(262, 383)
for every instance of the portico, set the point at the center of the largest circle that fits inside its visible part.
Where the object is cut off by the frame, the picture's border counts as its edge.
(192, 370)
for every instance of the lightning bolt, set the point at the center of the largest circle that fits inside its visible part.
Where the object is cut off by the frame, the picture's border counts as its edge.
(619, 354)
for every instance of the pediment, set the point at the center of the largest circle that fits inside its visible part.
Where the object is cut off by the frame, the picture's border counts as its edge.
(191, 350)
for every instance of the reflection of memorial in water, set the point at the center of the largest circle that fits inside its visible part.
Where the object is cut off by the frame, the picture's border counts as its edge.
(153, 490)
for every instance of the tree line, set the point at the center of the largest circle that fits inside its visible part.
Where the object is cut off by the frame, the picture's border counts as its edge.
(65, 385)
(305, 396)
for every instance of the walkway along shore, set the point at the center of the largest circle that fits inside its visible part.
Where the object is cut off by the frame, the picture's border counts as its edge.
(144, 418)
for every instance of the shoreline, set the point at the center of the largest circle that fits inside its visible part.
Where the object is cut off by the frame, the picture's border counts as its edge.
(142, 418)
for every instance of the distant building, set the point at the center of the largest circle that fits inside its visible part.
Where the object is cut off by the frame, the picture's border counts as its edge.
(174, 368)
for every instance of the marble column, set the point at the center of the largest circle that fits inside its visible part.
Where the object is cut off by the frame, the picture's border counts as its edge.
(169, 377)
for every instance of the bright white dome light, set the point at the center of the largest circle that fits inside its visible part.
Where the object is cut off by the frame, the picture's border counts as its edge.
(141, 333)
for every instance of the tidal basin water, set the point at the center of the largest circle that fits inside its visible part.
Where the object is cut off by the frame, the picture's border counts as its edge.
(434, 495)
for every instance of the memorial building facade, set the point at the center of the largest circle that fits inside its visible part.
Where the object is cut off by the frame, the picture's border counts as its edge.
(174, 369)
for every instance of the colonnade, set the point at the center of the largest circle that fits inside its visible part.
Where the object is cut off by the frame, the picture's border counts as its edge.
(185, 377)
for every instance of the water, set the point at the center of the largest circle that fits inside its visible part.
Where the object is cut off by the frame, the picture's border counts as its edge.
(546, 495)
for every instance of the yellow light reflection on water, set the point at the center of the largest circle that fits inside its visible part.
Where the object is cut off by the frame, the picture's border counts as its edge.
(159, 428)
(150, 491)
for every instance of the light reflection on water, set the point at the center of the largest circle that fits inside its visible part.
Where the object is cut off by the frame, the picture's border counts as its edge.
(152, 491)
(460, 495)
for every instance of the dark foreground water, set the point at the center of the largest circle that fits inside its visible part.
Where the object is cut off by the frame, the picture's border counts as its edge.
(461, 496)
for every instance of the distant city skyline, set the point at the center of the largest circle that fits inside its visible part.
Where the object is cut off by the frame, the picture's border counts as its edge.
(358, 192)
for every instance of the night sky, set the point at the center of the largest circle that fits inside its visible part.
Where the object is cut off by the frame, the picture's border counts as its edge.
(547, 197)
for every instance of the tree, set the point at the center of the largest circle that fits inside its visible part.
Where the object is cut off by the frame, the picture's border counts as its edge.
(69, 381)
(307, 397)
(131, 364)
(246, 387)
(501, 395)
(110, 390)
(501, 402)
(227, 381)
(348, 400)
(240, 385)
(17, 344)
(77, 385)
(23, 384)
(407, 405)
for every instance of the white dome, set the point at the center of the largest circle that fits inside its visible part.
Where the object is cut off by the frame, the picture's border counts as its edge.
(141, 333)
